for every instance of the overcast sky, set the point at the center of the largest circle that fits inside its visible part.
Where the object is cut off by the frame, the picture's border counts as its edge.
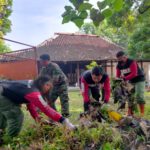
(34, 21)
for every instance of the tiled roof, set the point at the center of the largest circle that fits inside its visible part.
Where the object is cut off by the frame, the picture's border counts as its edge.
(75, 47)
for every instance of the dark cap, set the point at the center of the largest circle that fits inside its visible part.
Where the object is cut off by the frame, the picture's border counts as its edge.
(45, 57)
(120, 53)
(97, 70)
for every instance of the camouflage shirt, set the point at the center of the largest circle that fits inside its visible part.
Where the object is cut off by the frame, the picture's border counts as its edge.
(54, 72)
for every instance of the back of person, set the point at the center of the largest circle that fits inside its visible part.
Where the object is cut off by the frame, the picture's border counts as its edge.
(16, 90)
(54, 72)
(15, 93)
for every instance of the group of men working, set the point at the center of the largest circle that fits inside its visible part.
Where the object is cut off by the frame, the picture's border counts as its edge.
(96, 79)
(52, 83)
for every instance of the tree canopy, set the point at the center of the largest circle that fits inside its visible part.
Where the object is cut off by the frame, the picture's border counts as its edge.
(80, 10)
(114, 34)
(139, 44)
(125, 22)
(5, 23)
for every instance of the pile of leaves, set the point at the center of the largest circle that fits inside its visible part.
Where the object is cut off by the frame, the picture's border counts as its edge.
(56, 137)
(95, 132)
(134, 131)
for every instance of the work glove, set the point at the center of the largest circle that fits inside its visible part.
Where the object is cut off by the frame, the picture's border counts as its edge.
(69, 125)
(86, 106)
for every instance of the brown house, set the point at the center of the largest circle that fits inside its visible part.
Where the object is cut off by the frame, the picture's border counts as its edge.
(73, 52)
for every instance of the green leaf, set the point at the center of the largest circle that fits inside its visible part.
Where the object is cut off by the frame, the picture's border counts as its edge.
(96, 16)
(68, 8)
(69, 16)
(107, 146)
(66, 19)
(110, 1)
(118, 4)
(101, 5)
(85, 6)
(73, 2)
(83, 14)
(107, 13)
(76, 3)
(78, 22)
(64, 14)
(93, 13)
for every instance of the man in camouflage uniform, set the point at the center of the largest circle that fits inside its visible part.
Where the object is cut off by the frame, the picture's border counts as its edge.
(59, 84)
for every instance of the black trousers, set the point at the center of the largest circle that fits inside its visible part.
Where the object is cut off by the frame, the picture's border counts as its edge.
(95, 91)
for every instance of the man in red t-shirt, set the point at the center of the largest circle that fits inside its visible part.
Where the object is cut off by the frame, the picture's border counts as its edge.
(129, 70)
(91, 83)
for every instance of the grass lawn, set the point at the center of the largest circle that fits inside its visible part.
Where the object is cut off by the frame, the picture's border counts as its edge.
(147, 106)
(76, 107)
(76, 104)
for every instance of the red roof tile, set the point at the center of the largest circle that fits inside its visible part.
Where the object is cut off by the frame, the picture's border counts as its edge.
(77, 47)
(73, 47)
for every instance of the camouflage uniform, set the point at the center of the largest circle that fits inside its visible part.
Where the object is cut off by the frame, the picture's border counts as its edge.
(59, 87)
(123, 92)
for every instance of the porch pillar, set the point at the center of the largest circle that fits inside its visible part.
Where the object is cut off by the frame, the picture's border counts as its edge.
(111, 65)
(78, 73)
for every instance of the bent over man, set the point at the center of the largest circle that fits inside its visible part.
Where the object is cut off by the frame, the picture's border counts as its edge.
(15, 93)
(91, 83)
(59, 84)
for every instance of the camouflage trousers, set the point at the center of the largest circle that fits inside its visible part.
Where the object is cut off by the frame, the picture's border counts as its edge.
(11, 117)
(60, 91)
(137, 96)
(134, 95)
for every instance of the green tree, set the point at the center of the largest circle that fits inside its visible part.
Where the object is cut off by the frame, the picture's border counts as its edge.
(110, 32)
(5, 12)
(88, 28)
(91, 65)
(111, 10)
(3, 47)
(139, 44)
(5, 23)
(125, 22)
